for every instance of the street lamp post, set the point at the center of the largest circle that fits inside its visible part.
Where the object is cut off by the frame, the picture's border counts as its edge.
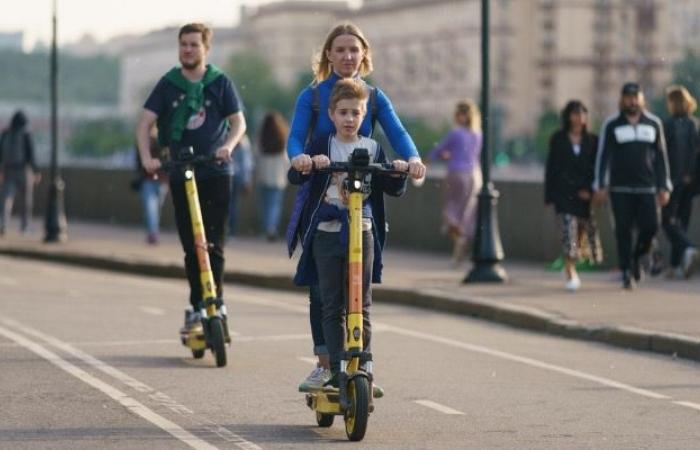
(55, 223)
(488, 250)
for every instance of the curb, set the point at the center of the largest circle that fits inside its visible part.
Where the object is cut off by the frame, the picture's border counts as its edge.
(671, 344)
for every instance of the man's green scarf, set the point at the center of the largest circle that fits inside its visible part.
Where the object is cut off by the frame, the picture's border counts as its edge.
(170, 128)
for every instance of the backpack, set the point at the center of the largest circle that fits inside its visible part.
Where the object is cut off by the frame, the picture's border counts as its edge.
(12, 146)
(316, 108)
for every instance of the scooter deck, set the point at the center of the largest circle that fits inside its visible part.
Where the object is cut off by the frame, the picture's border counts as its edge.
(324, 401)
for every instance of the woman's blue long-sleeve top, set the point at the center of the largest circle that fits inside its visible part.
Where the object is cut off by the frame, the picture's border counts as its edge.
(309, 216)
(398, 137)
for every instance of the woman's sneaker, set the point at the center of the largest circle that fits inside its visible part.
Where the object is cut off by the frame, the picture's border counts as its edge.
(316, 379)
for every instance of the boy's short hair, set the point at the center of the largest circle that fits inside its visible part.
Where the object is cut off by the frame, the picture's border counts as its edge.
(197, 28)
(347, 90)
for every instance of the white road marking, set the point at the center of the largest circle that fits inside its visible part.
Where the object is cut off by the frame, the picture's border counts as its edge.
(129, 403)
(690, 405)
(527, 361)
(491, 352)
(126, 343)
(159, 397)
(152, 310)
(438, 407)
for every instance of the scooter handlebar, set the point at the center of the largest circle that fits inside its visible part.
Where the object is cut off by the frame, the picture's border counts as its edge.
(190, 161)
(374, 168)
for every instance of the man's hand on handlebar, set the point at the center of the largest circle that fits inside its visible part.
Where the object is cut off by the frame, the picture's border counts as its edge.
(320, 162)
(302, 163)
(401, 166)
(151, 165)
(223, 154)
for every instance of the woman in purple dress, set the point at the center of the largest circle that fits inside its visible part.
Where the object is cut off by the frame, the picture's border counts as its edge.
(461, 149)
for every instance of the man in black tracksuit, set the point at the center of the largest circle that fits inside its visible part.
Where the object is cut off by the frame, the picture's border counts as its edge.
(632, 148)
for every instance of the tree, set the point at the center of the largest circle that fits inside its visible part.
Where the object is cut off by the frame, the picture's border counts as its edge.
(100, 138)
(547, 124)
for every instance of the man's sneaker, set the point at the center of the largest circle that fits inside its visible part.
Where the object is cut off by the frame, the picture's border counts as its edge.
(690, 260)
(192, 320)
(636, 270)
(316, 379)
(627, 282)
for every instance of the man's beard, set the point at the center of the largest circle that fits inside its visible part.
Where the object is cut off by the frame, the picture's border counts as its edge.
(631, 110)
(191, 65)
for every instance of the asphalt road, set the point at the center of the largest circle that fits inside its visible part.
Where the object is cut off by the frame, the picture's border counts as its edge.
(91, 359)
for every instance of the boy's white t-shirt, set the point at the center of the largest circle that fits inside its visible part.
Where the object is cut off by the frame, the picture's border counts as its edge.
(335, 195)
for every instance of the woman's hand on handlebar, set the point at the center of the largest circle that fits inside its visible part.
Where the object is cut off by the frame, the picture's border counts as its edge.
(416, 168)
(151, 165)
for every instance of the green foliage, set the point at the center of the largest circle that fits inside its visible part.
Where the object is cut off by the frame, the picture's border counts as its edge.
(257, 86)
(687, 72)
(100, 138)
(25, 77)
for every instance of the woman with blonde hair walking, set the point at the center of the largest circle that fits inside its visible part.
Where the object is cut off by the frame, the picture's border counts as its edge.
(461, 149)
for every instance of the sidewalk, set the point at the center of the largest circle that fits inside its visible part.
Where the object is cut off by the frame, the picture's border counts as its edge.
(660, 315)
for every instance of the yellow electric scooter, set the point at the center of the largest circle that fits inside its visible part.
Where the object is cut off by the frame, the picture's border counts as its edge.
(212, 333)
(353, 399)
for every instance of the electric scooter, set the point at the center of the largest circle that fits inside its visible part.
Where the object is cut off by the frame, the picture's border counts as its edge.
(353, 399)
(212, 333)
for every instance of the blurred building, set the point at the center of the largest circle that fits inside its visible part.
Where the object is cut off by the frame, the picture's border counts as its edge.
(427, 52)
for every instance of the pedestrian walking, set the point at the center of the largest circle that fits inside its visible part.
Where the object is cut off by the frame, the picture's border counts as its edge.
(271, 172)
(461, 149)
(568, 188)
(632, 166)
(152, 189)
(196, 105)
(346, 53)
(683, 144)
(242, 182)
(18, 172)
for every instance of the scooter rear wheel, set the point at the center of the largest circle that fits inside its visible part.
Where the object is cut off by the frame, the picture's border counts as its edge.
(218, 343)
(198, 354)
(324, 420)
(357, 415)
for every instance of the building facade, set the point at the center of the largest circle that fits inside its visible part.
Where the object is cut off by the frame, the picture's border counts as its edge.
(427, 52)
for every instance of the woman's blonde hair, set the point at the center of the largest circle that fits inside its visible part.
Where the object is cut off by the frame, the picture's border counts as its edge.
(322, 65)
(679, 101)
(470, 110)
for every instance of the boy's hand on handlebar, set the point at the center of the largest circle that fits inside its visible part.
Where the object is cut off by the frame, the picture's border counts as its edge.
(151, 165)
(401, 166)
(223, 154)
(302, 163)
(320, 161)
(416, 168)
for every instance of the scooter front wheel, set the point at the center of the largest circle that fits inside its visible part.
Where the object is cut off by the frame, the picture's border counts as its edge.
(357, 415)
(218, 342)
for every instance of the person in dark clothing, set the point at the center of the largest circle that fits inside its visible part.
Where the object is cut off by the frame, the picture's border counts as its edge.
(632, 148)
(568, 187)
(196, 105)
(18, 171)
(683, 144)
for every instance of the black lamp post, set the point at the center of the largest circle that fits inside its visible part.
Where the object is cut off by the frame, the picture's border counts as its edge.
(55, 223)
(488, 250)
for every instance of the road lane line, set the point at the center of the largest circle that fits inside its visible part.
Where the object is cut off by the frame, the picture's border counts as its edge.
(690, 405)
(152, 310)
(129, 403)
(527, 361)
(438, 407)
(158, 397)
